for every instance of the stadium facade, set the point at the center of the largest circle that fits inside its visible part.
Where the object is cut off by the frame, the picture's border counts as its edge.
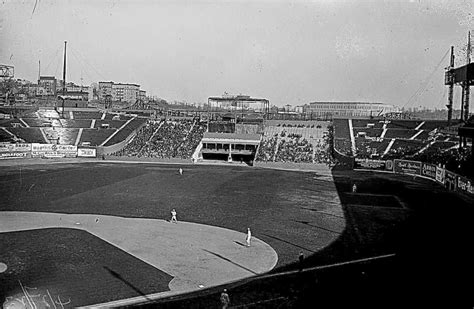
(349, 109)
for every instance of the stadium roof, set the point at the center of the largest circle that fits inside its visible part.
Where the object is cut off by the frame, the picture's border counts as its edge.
(342, 102)
(238, 98)
(226, 137)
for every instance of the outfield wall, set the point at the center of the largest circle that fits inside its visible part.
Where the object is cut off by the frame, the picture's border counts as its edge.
(450, 180)
(36, 150)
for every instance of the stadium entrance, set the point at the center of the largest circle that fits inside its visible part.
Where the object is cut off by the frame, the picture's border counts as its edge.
(229, 147)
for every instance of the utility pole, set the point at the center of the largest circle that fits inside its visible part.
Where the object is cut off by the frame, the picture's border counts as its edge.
(451, 87)
(466, 85)
(39, 76)
(64, 78)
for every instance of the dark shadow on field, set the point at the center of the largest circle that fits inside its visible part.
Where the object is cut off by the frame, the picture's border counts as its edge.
(239, 243)
(430, 238)
(75, 265)
(230, 261)
(288, 242)
(119, 277)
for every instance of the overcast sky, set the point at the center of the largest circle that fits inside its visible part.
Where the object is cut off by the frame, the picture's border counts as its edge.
(291, 52)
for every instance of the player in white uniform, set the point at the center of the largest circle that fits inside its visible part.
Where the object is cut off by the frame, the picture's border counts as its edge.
(249, 237)
(173, 216)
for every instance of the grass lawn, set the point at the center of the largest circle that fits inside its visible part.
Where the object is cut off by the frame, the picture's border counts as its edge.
(428, 228)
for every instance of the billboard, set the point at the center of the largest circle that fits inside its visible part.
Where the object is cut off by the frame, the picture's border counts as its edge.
(15, 148)
(450, 180)
(53, 150)
(407, 167)
(465, 185)
(86, 152)
(370, 164)
(440, 174)
(428, 170)
(13, 155)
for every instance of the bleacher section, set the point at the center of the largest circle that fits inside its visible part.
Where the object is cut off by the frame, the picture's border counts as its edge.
(28, 135)
(294, 141)
(368, 148)
(5, 137)
(165, 139)
(367, 123)
(49, 126)
(95, 136)
(87, 115)
(403, 124)
(342, 136)
(110, 116)
(409, 137)
(112, 124)
(400, 133)
(404, 148)
(64, 136)
(125, 131)
(81, 123)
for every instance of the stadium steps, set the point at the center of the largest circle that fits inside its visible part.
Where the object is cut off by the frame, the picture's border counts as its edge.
(10, 133)
(277, 146)
(351, 131)
(389, 146)
(417, 133)
(71, 115)
(154, 133)
(23, 122)
(424, 148)
(79, 135)
(113, 134)
(92, 124)
(44, 135)
(420, 125)
(103, 116)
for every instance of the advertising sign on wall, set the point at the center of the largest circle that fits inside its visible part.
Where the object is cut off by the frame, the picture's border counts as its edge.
(13, 155)
(450, 180)
(53, 150)
(370, 164)
(465, 185)
(15, 147)
(440, 174)
(428, 170)
(407, 167)
(86, 152)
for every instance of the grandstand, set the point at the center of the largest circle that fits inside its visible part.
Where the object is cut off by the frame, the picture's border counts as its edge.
(78, 127)
(294, 141)
(424, 140)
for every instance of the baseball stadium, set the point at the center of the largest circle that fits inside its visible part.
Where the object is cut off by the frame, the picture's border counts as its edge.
(372, 212)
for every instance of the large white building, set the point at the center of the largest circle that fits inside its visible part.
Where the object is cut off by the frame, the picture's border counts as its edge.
(349, 109)
(120, 91)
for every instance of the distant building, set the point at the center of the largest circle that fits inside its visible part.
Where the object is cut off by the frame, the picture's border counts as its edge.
(349, 109)
(142, 96)
(47, 86)
(119, 92)
(105, 89)
(125, 92)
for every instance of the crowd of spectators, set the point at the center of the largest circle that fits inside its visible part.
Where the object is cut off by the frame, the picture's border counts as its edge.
(166, 139)
(139, 141)
(293, 148)
(267, 148)
(457, 160)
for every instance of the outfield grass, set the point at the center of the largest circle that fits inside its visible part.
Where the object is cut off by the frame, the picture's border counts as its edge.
(428, 228)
